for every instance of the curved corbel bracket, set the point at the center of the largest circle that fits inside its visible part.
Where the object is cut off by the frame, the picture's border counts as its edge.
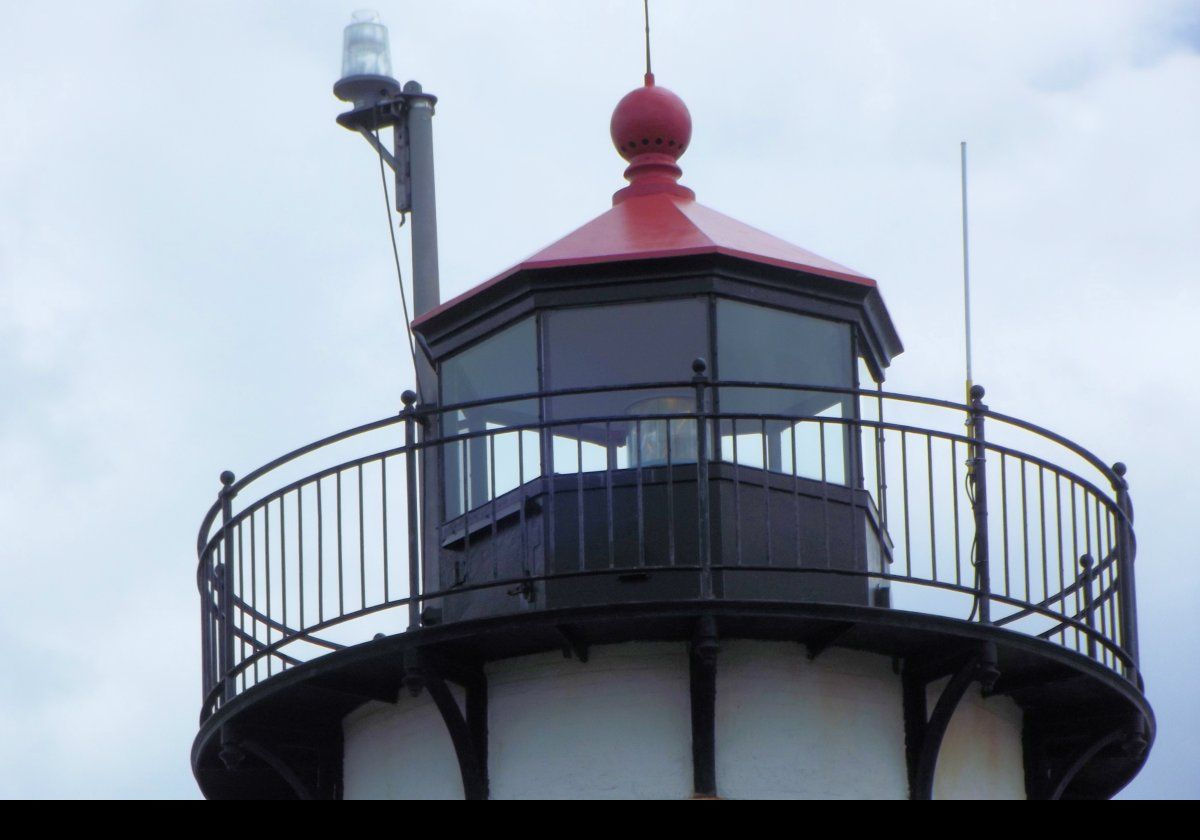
(468, 732)
(1081, 760)
(272, 759)
(923, 736)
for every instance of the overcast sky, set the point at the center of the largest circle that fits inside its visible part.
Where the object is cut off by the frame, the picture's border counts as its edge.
(195, 273)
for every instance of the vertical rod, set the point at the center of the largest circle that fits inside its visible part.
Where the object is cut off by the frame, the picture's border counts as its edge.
(227, 634)
(580, 525)
(954, 496)
(966, 266)
(418, 126)
(932, 523)
(1125, 557)
(700, 380)
(383, 510)
(409, 398)
(978, 478)
(1085, 563)
(300, 551)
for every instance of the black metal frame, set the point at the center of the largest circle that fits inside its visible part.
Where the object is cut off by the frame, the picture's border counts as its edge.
(1089, 616)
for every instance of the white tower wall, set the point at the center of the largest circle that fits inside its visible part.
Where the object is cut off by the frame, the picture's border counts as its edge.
(619, 726)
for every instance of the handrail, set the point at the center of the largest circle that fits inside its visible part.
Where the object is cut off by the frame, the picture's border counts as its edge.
(1031, 576)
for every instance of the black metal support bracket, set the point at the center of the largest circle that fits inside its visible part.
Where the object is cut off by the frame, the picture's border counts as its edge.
(924, 732)
(703, 671)
(572, 643)
(1080, 761)
(260, 751)
(822, 640)
(316, 775)
(467, 728)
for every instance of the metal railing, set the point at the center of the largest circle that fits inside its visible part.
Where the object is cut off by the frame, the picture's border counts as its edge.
(1009, 524)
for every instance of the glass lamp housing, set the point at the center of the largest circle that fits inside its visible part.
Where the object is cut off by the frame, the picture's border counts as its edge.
(366, 62)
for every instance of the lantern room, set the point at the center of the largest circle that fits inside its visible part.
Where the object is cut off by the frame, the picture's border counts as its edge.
(570, 387)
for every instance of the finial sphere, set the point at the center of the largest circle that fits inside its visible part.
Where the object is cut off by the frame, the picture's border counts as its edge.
(651, 119)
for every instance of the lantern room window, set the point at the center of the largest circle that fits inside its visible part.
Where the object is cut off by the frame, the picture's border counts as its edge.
(626, 352)
(763, 345)
(613, 346)
(483, 463)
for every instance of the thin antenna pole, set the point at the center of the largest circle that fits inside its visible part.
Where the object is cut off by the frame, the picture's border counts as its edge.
(966, 267)
(646, 16)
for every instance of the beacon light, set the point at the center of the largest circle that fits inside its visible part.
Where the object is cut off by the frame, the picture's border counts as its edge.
(366, 62)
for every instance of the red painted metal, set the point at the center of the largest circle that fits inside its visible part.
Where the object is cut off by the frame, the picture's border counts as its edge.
(655, 216)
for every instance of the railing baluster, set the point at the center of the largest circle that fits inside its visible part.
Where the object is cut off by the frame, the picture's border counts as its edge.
(1004, 520)
(1125, 564)
(954, 497)
(737, 498)
(300, 550)
(979, 505)
(383, 513)
(1085, 563)
(610, 455)
(932, 524)
(699, 367)
(409, 398)
(641, 506)
(1025, 526)
(320, 556)
(1042, 525)
(766, 483)
(581, 536)
(283, 564)
(670, 496)
(227, 594)
(362, 545)
(241, 594)
(904, 483)
(266, 515)
(341, 568)
(254, 585)
(799, 559)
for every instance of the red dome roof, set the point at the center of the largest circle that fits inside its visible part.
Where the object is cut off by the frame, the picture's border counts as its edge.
(654, 216)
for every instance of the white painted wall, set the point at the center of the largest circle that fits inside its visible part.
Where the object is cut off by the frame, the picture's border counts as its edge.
(399, 752)
(791, 728)
(619, 727)
(982, 756)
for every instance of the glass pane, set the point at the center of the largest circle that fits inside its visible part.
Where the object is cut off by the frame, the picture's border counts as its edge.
(620, 345)
(490, 461)
(758, 344)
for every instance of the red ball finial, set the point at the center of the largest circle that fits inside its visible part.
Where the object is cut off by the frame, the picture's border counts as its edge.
(651, 128)
(651, 119)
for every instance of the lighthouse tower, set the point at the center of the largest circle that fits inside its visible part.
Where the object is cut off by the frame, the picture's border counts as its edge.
(659, 531)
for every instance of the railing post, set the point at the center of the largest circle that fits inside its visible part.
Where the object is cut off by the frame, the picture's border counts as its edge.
(703, 544)
(978, 476)
(409, 398)
(226, 599)
(1126, 551)
(1085, 563)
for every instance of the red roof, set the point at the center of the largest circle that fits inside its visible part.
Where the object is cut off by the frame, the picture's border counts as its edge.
(655, 217)
(663, 224)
